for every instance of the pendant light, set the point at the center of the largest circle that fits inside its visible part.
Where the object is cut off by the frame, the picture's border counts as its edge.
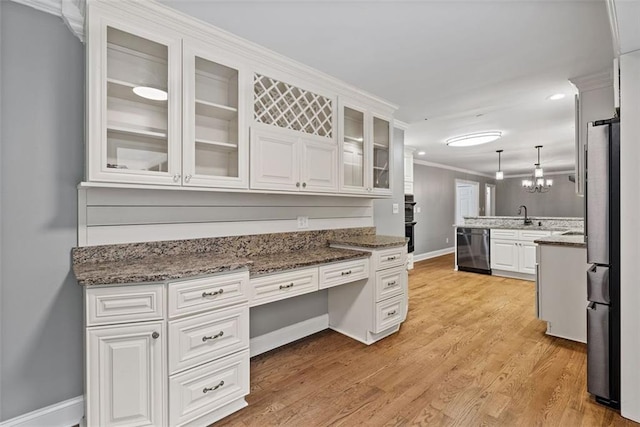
(537, 183)
(499, 173)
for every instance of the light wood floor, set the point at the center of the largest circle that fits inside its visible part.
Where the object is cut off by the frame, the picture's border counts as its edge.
(471, 353)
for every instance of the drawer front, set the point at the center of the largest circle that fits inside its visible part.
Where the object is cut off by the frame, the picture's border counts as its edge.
(389, 313)
(199, 391)
(343, 272)
(284, 285)
(531, 235)
(504, 234)
(388, 258)
(192, 296)
(390, 283)
(120, 304)
(202, 338)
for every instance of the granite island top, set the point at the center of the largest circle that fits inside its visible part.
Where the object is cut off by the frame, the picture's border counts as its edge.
(513, 227)
(563, 240)
(371, 241)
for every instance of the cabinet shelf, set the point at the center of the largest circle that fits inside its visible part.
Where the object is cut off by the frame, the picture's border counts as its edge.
(217, 144)
(124, 90)
(211, 109)
(127, 129)
(379, 145)
(353, 139)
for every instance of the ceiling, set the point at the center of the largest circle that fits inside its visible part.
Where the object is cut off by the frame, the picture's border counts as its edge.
(465, 66)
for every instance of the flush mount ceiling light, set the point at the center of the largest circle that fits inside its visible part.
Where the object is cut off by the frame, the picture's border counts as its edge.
(473, 139)
(421, 153)
(537, 183)
(556, 96)
(499, 173)
(150, 93)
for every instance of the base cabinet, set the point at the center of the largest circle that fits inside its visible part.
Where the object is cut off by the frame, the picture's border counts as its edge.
(513, 251)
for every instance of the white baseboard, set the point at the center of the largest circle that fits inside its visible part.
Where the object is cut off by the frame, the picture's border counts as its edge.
(269, 341)
(63, 414)
(433, 254)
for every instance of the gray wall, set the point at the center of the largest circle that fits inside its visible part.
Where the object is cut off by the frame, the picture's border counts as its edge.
(561, 200)
(385, 220)
(434, 192)
(42, 83)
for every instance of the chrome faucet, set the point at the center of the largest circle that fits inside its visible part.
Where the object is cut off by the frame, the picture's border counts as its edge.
(527, 220)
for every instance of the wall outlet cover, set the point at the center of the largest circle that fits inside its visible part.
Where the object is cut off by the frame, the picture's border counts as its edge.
(303, 222)
(396, 208)
(418, 209)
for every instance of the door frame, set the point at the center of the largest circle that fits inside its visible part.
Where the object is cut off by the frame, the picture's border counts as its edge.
(476, 189)
(493, 200)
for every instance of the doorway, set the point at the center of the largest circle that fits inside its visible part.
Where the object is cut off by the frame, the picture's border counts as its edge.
(467, 199)
(489, 200)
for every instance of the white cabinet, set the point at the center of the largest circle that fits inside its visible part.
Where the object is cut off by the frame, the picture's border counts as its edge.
(283, 161)
(513, 252)
(408, 171)
(126, 375)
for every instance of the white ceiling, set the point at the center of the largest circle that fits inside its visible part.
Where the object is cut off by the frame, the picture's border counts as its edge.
(465, 65)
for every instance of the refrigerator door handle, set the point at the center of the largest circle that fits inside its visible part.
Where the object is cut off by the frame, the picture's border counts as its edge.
(598, 284)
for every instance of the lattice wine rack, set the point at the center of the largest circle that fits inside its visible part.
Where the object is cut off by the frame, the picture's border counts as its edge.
(286, 106)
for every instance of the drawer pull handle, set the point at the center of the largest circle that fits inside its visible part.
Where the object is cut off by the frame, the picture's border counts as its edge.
(391, 313)
(215, 387)
(290, 285)
(391, 258)
(392, 283)
(346, 273)
(213, 337)
(212, 294)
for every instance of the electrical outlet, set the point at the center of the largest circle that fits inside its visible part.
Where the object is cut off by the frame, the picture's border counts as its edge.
(418, 210)
(396, 208)
(303, 222)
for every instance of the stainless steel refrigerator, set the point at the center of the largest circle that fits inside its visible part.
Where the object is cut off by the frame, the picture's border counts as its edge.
(602, 236)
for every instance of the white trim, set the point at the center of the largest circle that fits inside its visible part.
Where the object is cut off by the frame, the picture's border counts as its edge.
(62, 414)
(525, 175)
(493, 198)
(451, 168)
(269, 341)
(476, 186)
(433, 254)
(513, 275)
(594, 81)
(613, 24)
(71, 12)
(400, 125)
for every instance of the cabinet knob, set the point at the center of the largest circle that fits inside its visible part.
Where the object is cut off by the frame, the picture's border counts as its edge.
(298, 184)
(176, 177)
(187, 178)
(304, 185)
(155, 335)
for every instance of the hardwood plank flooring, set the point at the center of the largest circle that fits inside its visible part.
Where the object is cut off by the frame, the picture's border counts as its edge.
(471, 353)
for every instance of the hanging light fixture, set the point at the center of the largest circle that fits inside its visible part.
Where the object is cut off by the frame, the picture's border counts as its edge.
(499, 173)
(537, 183)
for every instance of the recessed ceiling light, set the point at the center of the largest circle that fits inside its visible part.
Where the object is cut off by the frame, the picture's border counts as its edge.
(421, 153)
(473, 139)
(150, 93)
(556, 96)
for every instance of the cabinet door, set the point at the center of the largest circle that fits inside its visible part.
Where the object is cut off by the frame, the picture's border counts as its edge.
(408, 167)
(382, 155)
(215, 145)
(504, 255)
(319, 169)
(275, 163)
(527, 259)
(126, 375)
(356, 149)
(134, 99)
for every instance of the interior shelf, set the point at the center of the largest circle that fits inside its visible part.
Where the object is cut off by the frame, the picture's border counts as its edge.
(354, 139)
(211, 109)
(219, 144)
(133, 130)
(124, 90)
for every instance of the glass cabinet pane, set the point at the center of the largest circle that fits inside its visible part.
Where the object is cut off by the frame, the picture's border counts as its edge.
(381, 147)
(137, 93)
(216, 119)
(353, 148)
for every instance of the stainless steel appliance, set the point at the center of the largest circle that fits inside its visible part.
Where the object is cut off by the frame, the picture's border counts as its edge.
(474, 250)
(409, 223)
(602, 236)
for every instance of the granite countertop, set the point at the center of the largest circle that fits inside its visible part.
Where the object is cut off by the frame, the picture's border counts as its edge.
(160, 268)
(563, 240)
(371, 241)
(512, 227)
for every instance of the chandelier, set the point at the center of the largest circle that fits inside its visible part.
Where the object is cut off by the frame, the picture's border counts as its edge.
(537, 183)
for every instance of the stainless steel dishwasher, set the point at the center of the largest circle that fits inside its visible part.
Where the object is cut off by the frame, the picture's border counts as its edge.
(474, 250)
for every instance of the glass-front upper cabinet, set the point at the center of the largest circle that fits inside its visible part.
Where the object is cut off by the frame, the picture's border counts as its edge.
(355, 149)
(215, 152)
(134, 112)
(382, 155)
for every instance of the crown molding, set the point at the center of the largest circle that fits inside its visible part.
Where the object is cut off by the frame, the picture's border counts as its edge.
(71, 12)
(451, 168)
(594, 81)
(613, 23)
(400, 125)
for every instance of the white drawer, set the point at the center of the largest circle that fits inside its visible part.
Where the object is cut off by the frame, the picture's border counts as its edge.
(192, 296)
(127, 303)
(390, 283)
(283, 285)
(343, 272)
(531, 235)
(389, 313)
(392, 257)
(205, 337)
(504, 234)
(202, 390)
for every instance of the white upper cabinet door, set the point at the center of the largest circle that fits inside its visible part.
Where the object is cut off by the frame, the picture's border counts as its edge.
(504, 255)
(215, 143)
(275, 163)
(319, 171)
(382, 154)
(356, 149)
(528, 258)
(408, 167)
(134, 102)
